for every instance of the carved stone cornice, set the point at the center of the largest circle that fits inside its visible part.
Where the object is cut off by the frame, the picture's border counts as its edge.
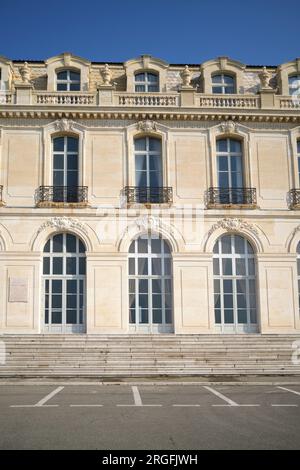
(62, 223)
(147, 126)
(234, 225)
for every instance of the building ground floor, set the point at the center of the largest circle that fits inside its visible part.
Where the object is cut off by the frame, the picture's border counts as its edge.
(98, 272)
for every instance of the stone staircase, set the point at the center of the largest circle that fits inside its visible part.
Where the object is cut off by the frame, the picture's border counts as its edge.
(148, 355)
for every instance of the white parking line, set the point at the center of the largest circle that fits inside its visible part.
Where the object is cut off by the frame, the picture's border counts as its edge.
(285, 405)
(42, 402)
(289, 390)
(137, 398)
(186, 405)
(226, 399)
(79, 406)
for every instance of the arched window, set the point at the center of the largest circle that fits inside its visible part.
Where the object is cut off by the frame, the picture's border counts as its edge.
(64, 284)
(223, 83)
(230, 171)
(298, 271)
(146, 82)
(68, 80)
(294, 84)
(148, 169)
(65, 169)
(150, 285)
(234, 285)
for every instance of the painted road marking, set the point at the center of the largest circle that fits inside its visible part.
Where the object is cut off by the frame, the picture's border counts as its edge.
(289, 390)
(137, 398)
(79, 406)
(285, 405)
(186, 405)
(223, 397)
(42, 402)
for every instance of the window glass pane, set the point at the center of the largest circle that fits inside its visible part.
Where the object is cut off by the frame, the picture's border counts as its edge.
(58, 180)
(241, 286)
(251, 267)
(242, 316)
(47, 247)
(154, 145)
(71, 316)
(156, 301)
(217, 89)
(239, 244)
(156, 286)
(253, 318)
(142, 266)
(249, 247)
(216, 79)
(168, 316)
(216, 286)
(152, 77)
(71, 286)
(58, 144)
(217, 316)
(140, 77)
(56, 301)
(226, 244)
(62, 75)
(140, 144)
(56, 286)
(46, 265)
(222, 163)
(143, 285)
(142, 245)
(227, 266)
(81, 247)
(71, 265)
(57, 265)
(71, 301)
(140, 88)
(156, 266)
(217, 301)
(62, 87)
(131, 266)
(229, 90)
(74, 75)
(131, 285)
(140, 163)
(168, 285)
(71, 243)
(228, 316)
(82, 264)
(167, 266)
(235, 146)
(228, 301)
(155, 245)
(74, 86)
(143, 316)
(298, 146)
(168, 300)
(223, 180)
(72, 160)
(157, 316)
(241, 301)
(227, 286)
(132, 316)
(216, 247)
(240, 267)
(58, 162)
(222, 145)
(132, 300)
(57, 317)
(228, 79)
(216, 266)
(153, 88)
(166, 247)
(58, 243)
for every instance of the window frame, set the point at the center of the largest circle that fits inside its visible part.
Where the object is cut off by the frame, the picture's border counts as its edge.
(222, 84)
(146, 83)
(68, 81)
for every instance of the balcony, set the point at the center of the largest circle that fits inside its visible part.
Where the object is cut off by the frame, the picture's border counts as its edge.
(62, 196)
(65, 98)
(231, 198)
(147, 99)
(228, 101)
(294, 199)
(148, 195)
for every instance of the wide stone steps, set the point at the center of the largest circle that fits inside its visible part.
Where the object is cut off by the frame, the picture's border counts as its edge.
(148, 355)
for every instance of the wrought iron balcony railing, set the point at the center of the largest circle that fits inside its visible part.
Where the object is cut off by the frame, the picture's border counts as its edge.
(231, 196)
(294, 198)
(148, 195)
(52, 195)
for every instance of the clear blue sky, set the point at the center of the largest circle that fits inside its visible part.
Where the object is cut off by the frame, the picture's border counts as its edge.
(187, 31)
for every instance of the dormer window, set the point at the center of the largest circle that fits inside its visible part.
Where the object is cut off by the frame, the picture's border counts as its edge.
(223, 83)
(294, 84)
(146, 82)
(68, 80)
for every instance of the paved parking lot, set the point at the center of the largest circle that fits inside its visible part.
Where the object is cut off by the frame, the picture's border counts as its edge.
(147, 416)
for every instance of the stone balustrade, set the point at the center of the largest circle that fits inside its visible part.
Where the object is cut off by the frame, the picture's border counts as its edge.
(65, 98)
(227, 101)
(146, 99)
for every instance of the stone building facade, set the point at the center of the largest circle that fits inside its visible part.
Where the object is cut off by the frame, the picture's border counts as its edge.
(149, 197)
